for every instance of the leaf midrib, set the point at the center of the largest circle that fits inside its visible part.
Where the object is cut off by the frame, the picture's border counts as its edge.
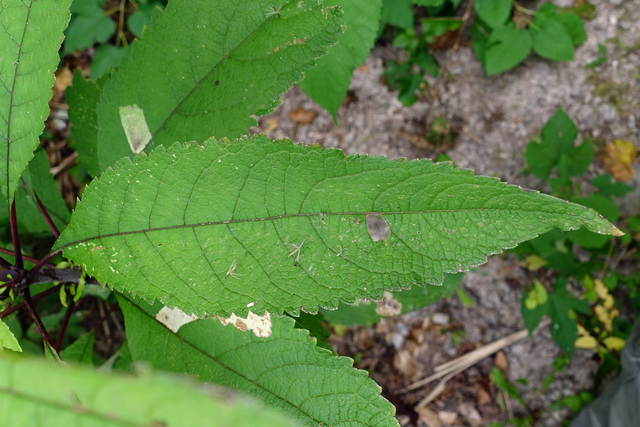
(213, 69)
(277, 217)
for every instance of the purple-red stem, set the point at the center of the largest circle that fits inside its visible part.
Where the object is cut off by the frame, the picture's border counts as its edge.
(36, 268)
(41, 295)
(24, 257)
(46, 216)
(65, 323)
(28, 302)
(14, 237)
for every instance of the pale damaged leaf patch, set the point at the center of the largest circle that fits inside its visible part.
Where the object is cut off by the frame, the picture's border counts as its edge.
(174, 318)
(135, 127)
(259, 325)
(389, 306)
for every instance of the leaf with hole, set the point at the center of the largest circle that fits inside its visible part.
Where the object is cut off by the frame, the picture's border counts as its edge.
(269, 225)
(286, 370)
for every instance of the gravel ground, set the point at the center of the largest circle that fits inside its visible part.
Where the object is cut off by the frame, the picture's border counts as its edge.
(493, 119)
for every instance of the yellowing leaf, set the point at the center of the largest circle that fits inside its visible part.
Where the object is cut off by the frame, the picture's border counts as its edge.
(586, 342)
(614, 343)
(617, 158)
(534, 262)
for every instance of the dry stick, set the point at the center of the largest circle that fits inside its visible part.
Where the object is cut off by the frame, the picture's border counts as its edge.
(66, 163)
(44, 261)
(14, 237)
(46, 216)
(463, 362)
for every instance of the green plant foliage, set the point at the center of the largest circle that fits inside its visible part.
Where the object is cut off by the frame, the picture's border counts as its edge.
(204, 82)
(505, 48)
(106, 58)
(37, 176)
(26, 79)
(7, 339)
(142, 16)
(81, 351)
(82, 98)
(329, 81)
(285, 228)
(35, 392)
(88, 25)
(397, 13)
(550, 39)
(494, 12)
(558, 306)
(285, 370)
(556, 149)
(606, 208)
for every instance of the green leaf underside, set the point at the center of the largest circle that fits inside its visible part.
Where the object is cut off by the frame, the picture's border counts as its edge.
(216, 228)
(204, 67)
(286, 370)
(30, 35)
(329, 81)
(35, 392)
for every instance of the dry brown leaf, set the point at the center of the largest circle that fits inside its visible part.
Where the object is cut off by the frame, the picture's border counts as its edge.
(482, 395)
(448, 417)
(302, 116)
(272, 123)
(617, 158)
(427, 417)
(501, 361)
(405, 363)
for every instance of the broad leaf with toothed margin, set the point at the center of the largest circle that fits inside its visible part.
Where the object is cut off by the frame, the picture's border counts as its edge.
(222, 227)
(286, 370)
(30, 35)
(35, 392)
(204, 67)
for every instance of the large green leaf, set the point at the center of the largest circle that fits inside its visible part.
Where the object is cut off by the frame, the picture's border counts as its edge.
(329, 81)
(221, 227)
(30, 35)
(286, 370)
(204, 67)
(35, 392)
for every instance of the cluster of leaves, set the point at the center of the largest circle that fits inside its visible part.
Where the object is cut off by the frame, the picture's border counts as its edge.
(92, 25)
(591, 317)
(220, 225)
(503, 34)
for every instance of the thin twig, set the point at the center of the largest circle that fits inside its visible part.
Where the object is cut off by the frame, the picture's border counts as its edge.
(66, 163)
(24, 257)
(469, 359)
(45, 215)
(65, 323)
(36, 268)
(37, 297)
(25, 292)
(15, 238)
